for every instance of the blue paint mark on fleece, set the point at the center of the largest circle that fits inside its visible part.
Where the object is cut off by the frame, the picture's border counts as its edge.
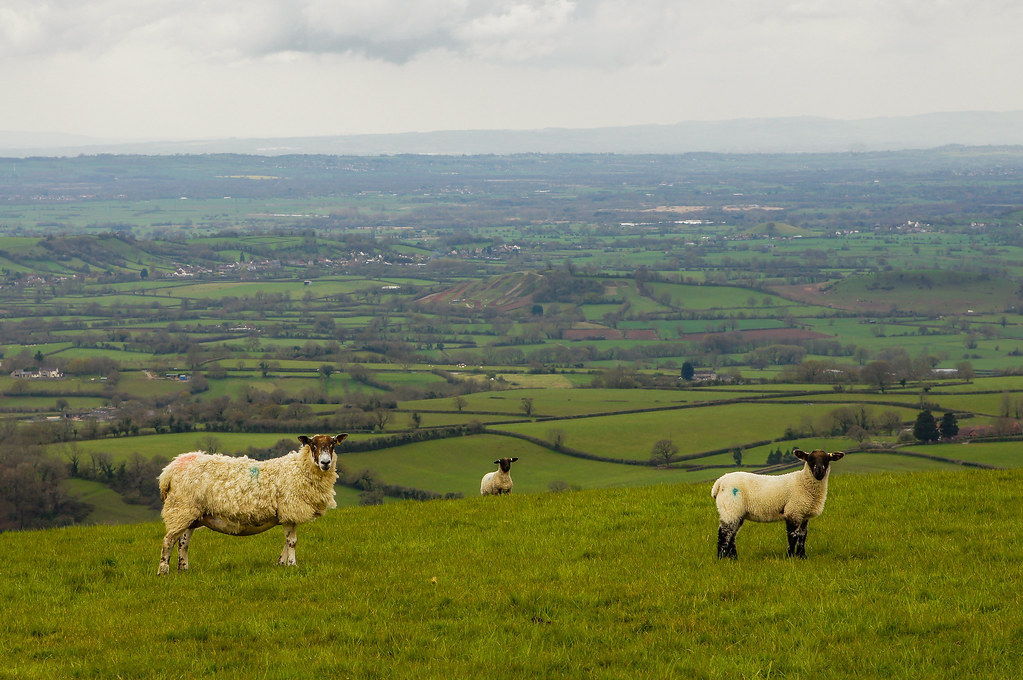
(735, 492)
(254, 472)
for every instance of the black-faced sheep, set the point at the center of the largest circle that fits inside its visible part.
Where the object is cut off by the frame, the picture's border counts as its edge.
(499, 481)
(796, 497)
(242, 496)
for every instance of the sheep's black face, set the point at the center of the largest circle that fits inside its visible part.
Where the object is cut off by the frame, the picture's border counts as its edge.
(321, 448)
(819, 465)
(505, 463)
(818, 462)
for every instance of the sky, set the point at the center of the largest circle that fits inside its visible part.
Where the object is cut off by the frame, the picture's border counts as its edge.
(206, 69)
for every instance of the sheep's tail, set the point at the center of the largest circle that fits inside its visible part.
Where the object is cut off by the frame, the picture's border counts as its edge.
(716, 488)
(180, 462)
(165, 482)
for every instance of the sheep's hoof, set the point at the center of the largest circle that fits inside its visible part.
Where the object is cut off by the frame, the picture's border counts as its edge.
(164, 570)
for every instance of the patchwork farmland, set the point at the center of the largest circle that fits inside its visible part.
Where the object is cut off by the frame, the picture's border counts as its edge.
(562, 315)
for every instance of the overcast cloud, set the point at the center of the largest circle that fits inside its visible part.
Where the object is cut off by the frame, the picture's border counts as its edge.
(159, 69)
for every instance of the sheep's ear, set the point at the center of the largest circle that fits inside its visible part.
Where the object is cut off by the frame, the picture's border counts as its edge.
(837, 455)
(338, 438)
(497, 462)
(514, 459)
(800, 454)
(304, 439)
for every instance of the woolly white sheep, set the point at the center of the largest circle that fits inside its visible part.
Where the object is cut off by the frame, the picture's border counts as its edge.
(795, 497)
(499, 481)
(242, 496)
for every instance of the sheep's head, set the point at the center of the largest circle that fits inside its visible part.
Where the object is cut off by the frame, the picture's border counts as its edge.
(505, 463)
(818, 461)
(321, 448)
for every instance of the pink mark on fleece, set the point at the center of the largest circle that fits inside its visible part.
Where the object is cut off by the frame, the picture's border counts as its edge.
(185, 459)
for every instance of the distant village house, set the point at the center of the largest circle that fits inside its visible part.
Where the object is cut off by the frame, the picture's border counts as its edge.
(37, 373)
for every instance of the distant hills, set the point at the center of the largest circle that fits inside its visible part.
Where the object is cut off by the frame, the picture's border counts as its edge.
(751, 135)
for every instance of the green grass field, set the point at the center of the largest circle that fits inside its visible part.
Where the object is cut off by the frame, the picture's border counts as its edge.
(624, 583)
(930, 291)
(457, 465)
(110, 507)
(693, 430)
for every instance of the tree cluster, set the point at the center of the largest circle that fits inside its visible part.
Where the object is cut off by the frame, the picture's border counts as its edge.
(31, 493)
(855, 422)
(928, 429)
(135, 479)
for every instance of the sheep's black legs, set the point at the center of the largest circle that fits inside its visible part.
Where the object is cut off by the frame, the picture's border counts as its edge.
(183, 549)
(726, 539)
(797, 537)
(801, 543)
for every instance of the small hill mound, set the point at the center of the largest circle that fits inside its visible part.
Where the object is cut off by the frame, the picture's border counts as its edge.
(508, 291)
(518, 289)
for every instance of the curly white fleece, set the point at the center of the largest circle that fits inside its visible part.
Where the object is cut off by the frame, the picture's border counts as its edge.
(290, 490)
(766, 498)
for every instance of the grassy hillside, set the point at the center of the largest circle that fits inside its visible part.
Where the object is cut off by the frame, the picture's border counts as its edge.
(908, 576)
(925, 292)
(109, 505)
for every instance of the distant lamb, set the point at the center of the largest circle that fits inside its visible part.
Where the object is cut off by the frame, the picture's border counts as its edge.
(795, 497)
(498, 481)
(242, 496)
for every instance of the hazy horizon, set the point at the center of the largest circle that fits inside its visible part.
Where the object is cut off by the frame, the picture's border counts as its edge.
(765, 135)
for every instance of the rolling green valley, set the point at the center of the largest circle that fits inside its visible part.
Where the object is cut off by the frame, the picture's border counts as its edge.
(629, 328)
